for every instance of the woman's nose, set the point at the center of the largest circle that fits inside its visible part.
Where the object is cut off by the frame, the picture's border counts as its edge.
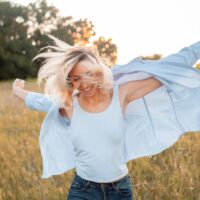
(84, 85)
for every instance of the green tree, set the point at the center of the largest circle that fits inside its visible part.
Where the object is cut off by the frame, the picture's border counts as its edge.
(16, 49)
(152, 57)
(74, 32)
(46, 19)
(23, 31)
(106, 49)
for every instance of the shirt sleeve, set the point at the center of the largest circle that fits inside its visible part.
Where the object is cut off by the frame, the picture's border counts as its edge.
(38, 101)
(169, 111)
(188, 56)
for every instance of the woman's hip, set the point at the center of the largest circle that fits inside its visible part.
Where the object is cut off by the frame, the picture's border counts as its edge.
(85, 189)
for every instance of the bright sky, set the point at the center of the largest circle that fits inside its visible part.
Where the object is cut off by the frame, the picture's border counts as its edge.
(138, 27)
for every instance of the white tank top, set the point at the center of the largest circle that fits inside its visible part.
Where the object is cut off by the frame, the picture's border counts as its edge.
(98, 140)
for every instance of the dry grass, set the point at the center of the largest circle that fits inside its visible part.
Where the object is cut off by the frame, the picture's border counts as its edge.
(172, 175)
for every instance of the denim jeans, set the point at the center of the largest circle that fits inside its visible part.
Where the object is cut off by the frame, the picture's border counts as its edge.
(82, 189)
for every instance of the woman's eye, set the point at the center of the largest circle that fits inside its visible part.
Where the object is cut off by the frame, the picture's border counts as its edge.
(68, 80)
(76, 79)
(88, 74)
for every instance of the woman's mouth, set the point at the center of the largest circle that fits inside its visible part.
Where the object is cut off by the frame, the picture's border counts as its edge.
(87, 90)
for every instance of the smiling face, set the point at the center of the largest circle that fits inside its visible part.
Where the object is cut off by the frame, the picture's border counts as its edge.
(82, 77)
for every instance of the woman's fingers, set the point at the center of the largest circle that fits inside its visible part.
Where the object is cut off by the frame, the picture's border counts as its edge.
(19, 83)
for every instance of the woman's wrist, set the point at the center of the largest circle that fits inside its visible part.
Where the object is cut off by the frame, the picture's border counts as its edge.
(20, 93)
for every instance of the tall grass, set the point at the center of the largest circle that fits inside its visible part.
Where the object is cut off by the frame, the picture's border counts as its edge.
(171, 175)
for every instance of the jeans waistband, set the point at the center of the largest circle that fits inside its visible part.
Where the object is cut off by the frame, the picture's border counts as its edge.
(99, 184)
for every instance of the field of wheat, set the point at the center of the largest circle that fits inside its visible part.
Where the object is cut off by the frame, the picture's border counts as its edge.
(171, 175)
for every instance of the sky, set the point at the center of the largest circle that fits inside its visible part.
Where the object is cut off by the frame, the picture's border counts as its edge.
(138, 27)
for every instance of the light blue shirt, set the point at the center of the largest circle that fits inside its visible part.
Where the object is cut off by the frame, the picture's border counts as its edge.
(153, 122)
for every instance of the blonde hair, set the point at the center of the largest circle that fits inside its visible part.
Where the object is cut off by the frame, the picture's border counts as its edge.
(60, 60)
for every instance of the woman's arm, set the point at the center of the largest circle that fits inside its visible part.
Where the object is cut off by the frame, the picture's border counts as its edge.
(140, 88)
(32, 100)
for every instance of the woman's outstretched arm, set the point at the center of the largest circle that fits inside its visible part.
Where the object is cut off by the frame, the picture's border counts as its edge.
(140, 88)
(187, 55)
(33, 100)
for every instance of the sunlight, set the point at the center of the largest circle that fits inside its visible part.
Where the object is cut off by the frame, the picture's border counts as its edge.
(138, 27)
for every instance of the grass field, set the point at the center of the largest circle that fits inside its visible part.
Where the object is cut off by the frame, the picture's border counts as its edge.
(171, 175)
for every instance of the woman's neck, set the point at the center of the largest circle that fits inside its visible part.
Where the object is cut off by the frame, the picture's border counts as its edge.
(97, 97)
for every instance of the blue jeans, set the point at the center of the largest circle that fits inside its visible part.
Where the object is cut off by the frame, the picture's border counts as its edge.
(82, 189)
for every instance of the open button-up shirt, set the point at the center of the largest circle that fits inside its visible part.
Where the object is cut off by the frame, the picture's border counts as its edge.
(154, 122)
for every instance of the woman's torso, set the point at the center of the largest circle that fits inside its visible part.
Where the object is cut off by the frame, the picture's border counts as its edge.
(98, 139)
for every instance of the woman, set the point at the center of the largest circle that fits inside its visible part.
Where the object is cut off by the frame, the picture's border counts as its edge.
(97, 119)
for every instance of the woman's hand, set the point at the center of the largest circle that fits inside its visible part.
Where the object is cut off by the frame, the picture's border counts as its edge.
(18, 88)
(18, 83)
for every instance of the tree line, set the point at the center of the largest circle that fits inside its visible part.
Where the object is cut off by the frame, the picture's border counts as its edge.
(24, 29)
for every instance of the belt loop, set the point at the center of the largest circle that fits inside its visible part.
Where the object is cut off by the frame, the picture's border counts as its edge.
(113, 185)
(102, 186)
(87, 183)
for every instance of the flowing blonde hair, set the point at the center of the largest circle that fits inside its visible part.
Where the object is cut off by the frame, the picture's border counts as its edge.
(60, 60)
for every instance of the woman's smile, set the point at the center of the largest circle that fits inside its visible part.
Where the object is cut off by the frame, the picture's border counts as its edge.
(89, 90)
